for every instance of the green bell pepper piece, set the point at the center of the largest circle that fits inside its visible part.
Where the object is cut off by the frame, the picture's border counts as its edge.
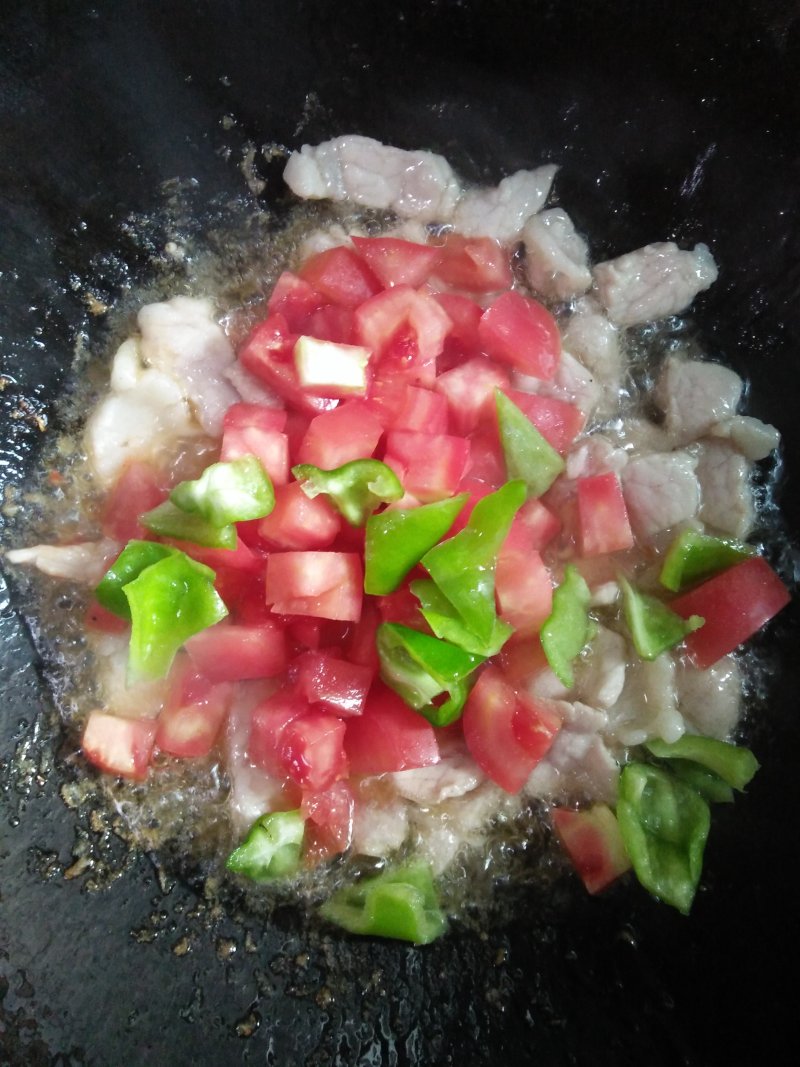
(463, 566)
(703, 781)
(421, 668)
(355, 489)
(734, 764)
(169, 601)
(272, 847)
(397, 540)
(693, 557)
(653, 626)
(135, 557)
(568, 628)
(446, 623)
(528, 455)
(168, 520)
(400, 903)
(664, 825)
(235, 491)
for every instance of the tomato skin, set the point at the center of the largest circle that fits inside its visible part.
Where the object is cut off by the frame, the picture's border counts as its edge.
(536, 723)
(602, 516)
(189, 729)
(119, 746)
(469, 389)
(389, 736)
(399, 406)
(524, 589)
(405, 329)
(558, 421)
(360, 646)
(268, 353)
(477, 264)
(312, 750)
(267, 723)
(594, 843)
(521, 333)
(735, 604)
(331, 322)
(490, 731)
(295, 299)
(430, 466)
(340, 686)
(139, 487)
(327, 585)
(298, 521)
(231, 652)
(341, 276)
(270, 447)
(349, 432)
(395, 261)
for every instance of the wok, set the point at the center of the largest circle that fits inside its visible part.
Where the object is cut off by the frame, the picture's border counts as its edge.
(669, 121)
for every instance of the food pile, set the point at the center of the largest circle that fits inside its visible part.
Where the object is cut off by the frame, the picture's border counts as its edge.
(429, 543)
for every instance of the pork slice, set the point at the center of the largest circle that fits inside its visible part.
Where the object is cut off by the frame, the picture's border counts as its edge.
(595, 342)
(556, 256)
(727, 497)
(648, 704)
(711, 700)
(600, 677)
(572, 382)
(579, 763)
(380, 824)
(182, 339)
(455, 774)
(593, 455)
(501, 212)
(359, 169)
(249, 388)
(661, 489)
(653, 282)
(138, 700)
(752, 437)
(86, 561)
(694, 395)
(448, 829)
(253, 791)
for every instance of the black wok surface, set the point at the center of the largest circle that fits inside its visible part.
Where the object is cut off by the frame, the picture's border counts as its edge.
(670, 121)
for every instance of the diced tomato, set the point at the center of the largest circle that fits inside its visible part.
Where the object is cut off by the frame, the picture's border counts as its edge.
(389, 736)
(331, 323)
(594, 843)
(477, 491)
(139, 488)
(242, 558)
(193, 714)
(557, 421)
(521, 332)
(229, 652)
(395, 261)
(522, 659)
(331, 815)
(307, 633)
(351, 431)
(432, 464)
(534, 527)
(477, 264)
(255, 429)
(327, 585)
(268, 353)
(469, 389)
(405, 329)
(339, 685)
(295, 299)
(403, 607)
(603, 517)
(298, 521)
(341, 276)
(536, 723)
(487, 462)
(465, 315)
(119, 746)
(267, 723)
(312, 750)
(360, 646)
(734, 604)
(103, 621)
(243, 594)
(490, 723)
(524, 589)
(409, 407)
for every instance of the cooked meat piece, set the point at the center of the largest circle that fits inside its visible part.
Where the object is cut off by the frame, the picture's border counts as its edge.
(502, 211)
(443, 831)
(86, 561)
(727, 497)
(695, 395)
(595, 454)
(253, 792)
(138, 700)
(595, 342)
(364, 171)
(653, 282)
(455, 774)
(572, 382)
(660, 489)
(752, 437)
(711, 700)
(380, 824)
(648, 705)
(600, 676)
(579, 761)
(556, 257)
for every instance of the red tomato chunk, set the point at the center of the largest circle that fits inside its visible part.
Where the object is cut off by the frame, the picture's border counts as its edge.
(341, 276)
(230, 652)
(594, 843)
(477, 264)
(339, 685)
(522, 333)
(389, 736)
(430, 466)
(330, 815)
(397, 262)
(119, 746)
(603, 516)
(349, 432)
(299, 521)
(312, 750)
(327, 585)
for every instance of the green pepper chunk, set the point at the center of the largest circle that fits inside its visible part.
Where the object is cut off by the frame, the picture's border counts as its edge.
(355, 489)
(135, 557)
(168, 520)
(568, 628)
(703, 781)
(734, 764)
(235, 491)
(446, 623)
(528, 455)
(421, 668)
(400, 903)
(463, 566)
(272, 847)
(664, 825)
(397, 540)
(694, 556)
(653, 626)
(169, 601)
